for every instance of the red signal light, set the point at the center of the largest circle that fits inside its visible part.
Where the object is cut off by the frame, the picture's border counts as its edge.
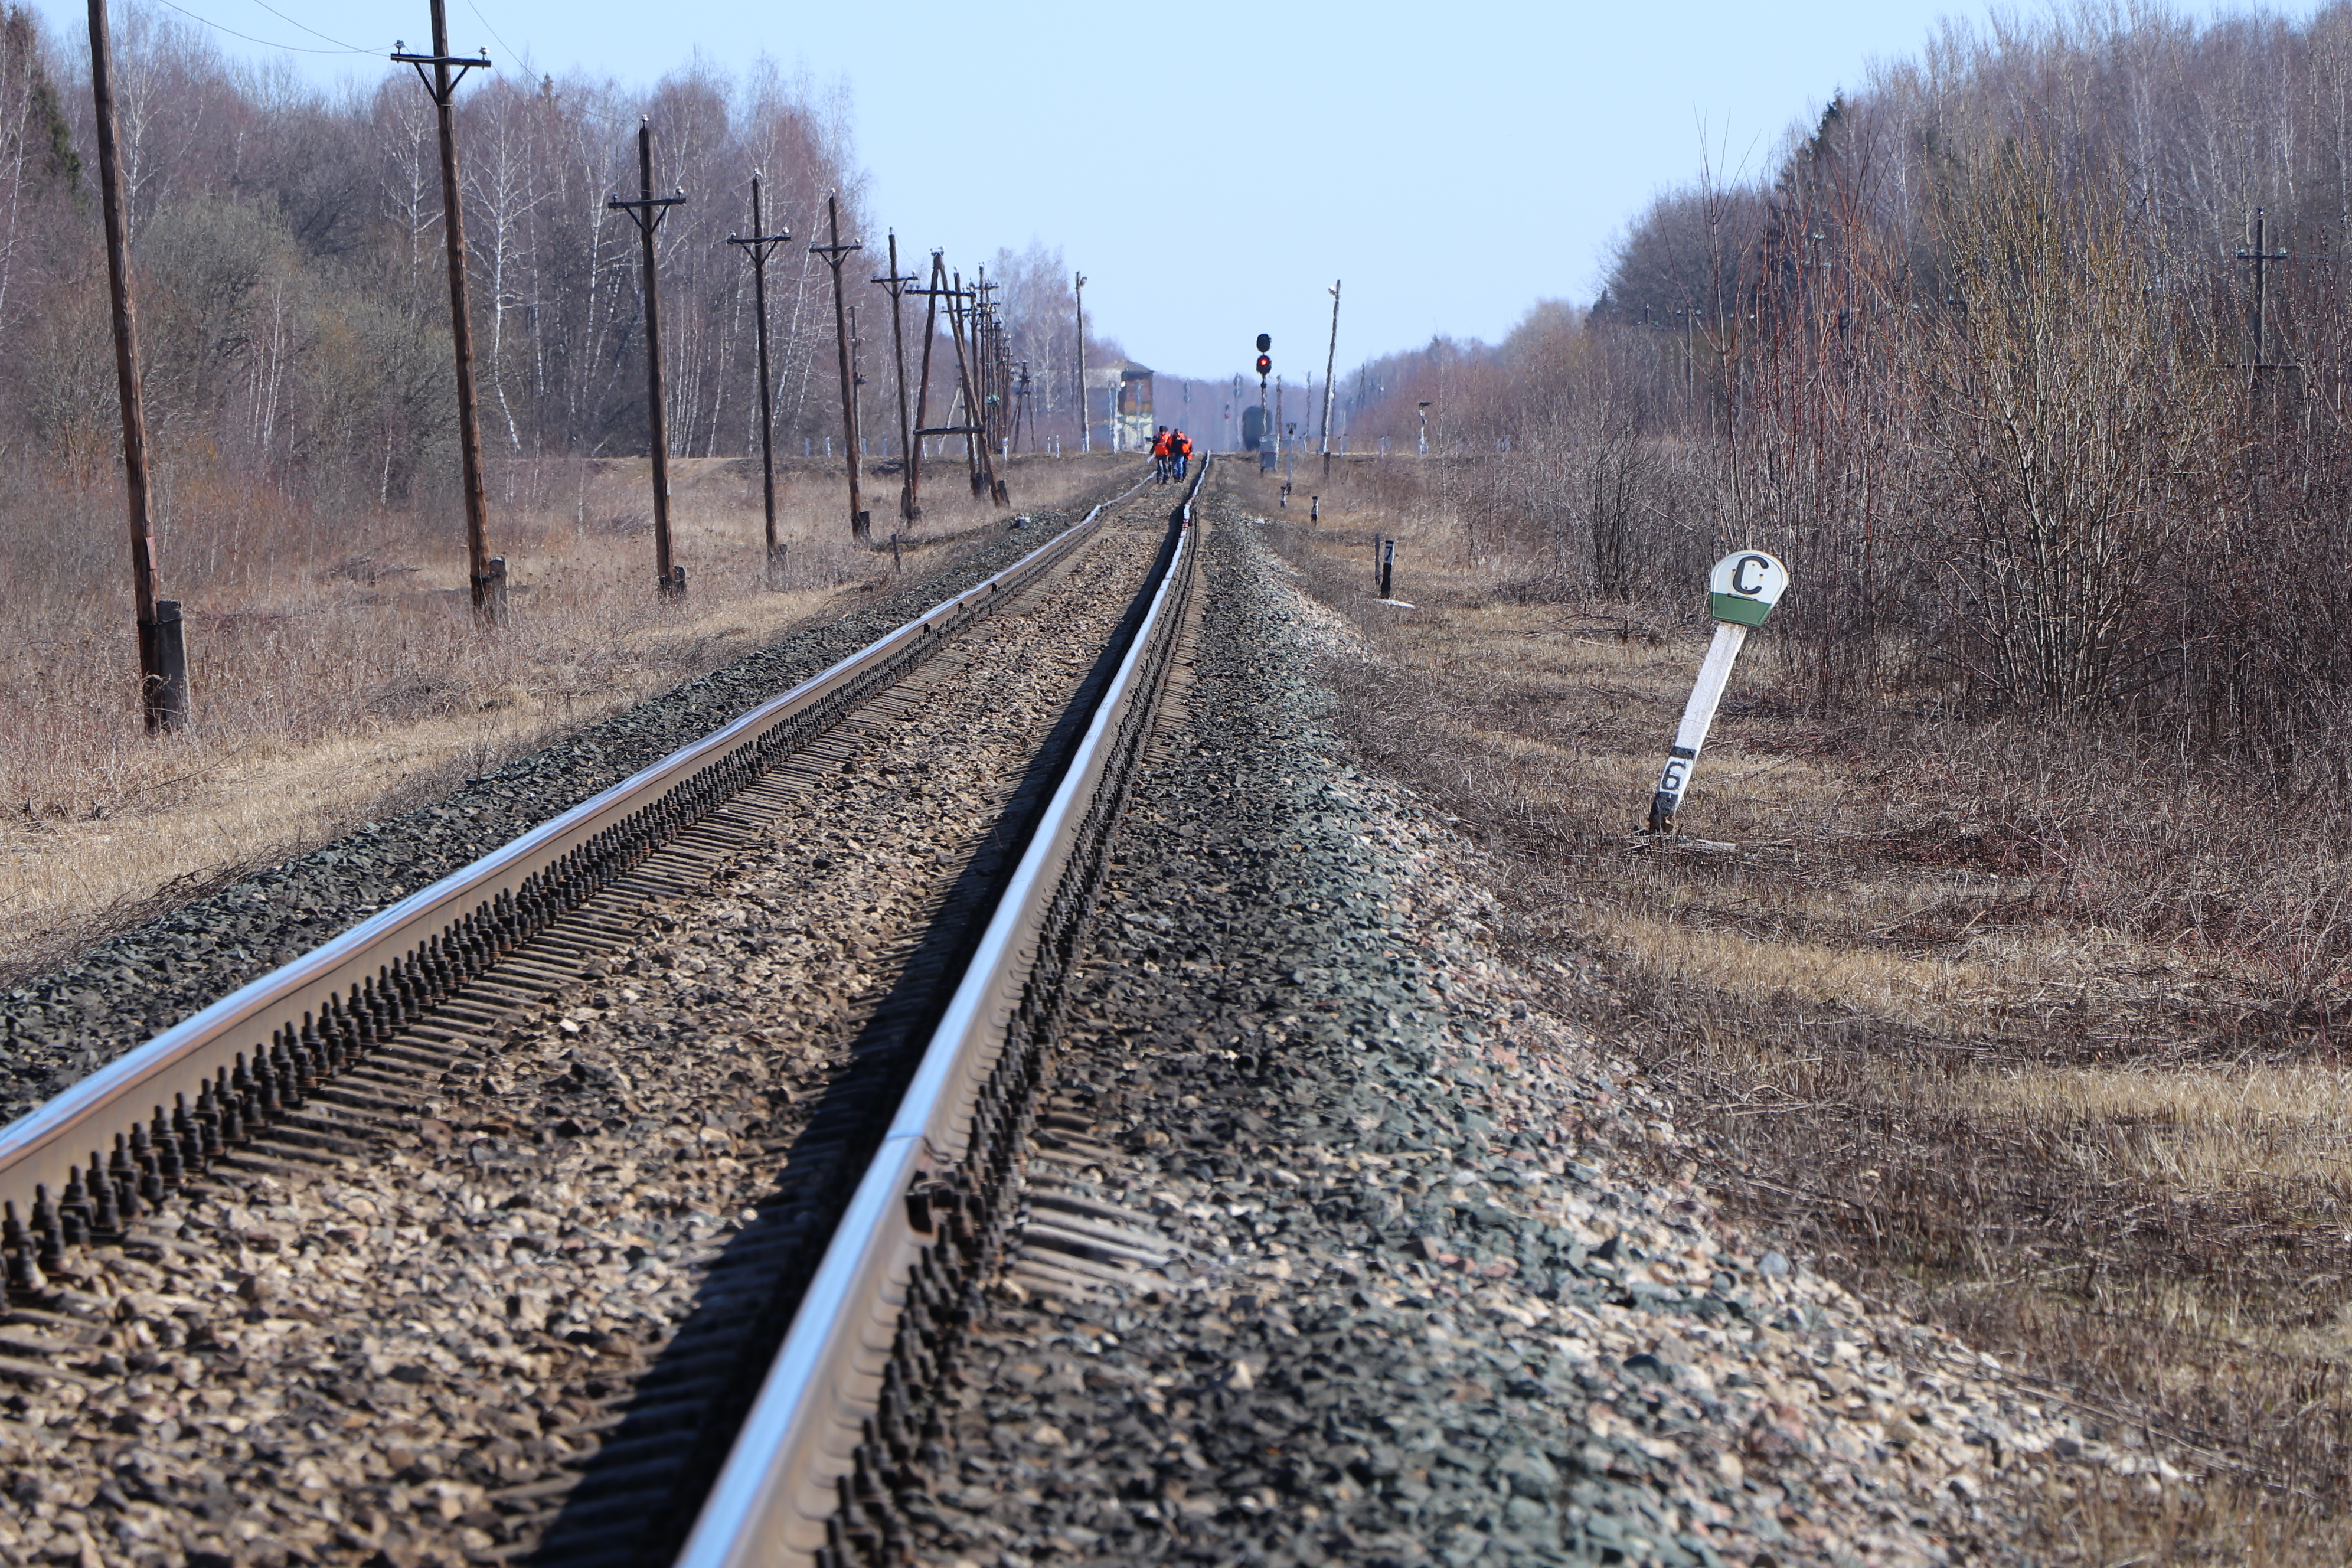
(1265, 366)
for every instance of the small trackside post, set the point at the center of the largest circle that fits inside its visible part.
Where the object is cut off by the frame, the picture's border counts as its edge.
(1741, 592)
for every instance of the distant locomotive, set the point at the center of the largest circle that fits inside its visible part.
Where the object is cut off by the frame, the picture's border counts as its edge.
(1256, 426)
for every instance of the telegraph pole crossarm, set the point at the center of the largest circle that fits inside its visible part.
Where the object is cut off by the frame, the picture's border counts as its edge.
(646, 211)
(487, 573)
(759, 246)
(835, 253)
(440, 84)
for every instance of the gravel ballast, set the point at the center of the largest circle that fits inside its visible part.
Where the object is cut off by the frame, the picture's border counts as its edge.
(1445, 1299)
(423, 1355)
(57, 1027)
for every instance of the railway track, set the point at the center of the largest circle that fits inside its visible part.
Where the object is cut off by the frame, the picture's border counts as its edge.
(484, 1229)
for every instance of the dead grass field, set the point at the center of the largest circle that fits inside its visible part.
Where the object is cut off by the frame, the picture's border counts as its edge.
(337, 673)
(2029, 1036)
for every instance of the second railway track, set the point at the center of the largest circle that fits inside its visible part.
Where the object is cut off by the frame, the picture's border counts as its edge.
(484, 1260)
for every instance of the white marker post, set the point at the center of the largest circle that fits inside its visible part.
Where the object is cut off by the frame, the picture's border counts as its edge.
(1741, 591)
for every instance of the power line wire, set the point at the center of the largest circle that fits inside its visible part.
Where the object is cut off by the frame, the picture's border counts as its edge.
(308, 28)
(501, 43)
(265, 43)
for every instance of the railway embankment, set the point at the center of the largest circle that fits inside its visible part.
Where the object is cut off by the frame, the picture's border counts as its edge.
(503, 1289)
(57, 1028)
(1431, 1296)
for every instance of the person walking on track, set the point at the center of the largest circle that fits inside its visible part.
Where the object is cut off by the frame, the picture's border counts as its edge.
(1159, 456)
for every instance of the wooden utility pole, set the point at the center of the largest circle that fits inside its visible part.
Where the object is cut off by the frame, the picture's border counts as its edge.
(486, 572)
(2261, 260)
(162, 644)
(932, 293)
(975, 428)
(942, 289)
(857, 380)
(1330, 358)
(758, 245)
(983, 468)
(895, 283)
(860, 524)
(648, 211)
(1086, 421)
(986, 371)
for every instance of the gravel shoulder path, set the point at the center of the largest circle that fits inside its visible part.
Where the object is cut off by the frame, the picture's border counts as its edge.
(57, 1027)
(1438, 1303)
(440, 1354)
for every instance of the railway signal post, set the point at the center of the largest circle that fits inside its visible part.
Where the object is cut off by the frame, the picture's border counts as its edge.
(1741, 592)
(1265, 368)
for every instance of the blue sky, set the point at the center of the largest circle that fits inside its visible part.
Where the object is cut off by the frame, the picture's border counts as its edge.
(1213, 167)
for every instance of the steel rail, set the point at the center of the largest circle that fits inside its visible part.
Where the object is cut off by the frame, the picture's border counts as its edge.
(785, 1491)
(462, 923)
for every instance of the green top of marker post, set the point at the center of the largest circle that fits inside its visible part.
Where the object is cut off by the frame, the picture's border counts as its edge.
(1744, 586)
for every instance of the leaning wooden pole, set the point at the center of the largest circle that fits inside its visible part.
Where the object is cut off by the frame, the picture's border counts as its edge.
(1330, 359)
(488, 575)
(162, 647)
(908, 510)
(657, 411)
(923, 385)
(860, 523)
(984, 470)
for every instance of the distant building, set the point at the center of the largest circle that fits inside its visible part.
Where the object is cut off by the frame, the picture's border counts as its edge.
(1119, 404)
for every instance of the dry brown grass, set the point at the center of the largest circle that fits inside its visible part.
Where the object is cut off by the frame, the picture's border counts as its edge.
(337, 675)
(2032, 1036)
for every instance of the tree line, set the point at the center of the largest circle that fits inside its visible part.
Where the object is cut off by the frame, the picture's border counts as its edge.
(1977, 354)
(287, 269)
